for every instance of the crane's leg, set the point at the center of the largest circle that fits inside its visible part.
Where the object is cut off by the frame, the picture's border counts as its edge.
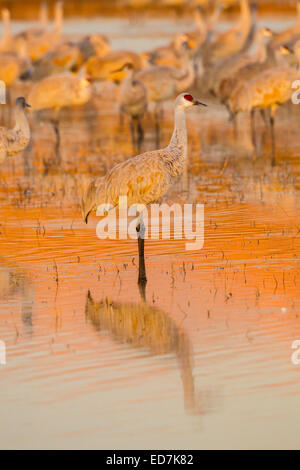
(142, 290)
(233, 119)
(264, 117)
(235, 128)
(8, 108)
(132, 130)
(140, 131)
(141, 244)
(272, 123)
(157, 129)
(161, 112)
(253, 132)
(27, 158)
(121, 117)
(57, 157)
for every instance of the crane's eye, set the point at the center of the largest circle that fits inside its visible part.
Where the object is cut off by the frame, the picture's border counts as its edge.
(188, 97)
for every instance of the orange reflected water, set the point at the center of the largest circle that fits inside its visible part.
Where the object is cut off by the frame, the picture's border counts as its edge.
(205, 360)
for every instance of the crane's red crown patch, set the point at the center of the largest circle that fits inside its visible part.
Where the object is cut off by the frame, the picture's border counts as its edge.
(188, 97)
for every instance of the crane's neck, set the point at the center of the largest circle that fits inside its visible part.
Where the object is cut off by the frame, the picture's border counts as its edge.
(199, 20)
(44, 14)
(245, 14)
(128, 82)
(179, 138)
(213, 19)
(185, 76)
(21, 122)
(129, 76)
(261, 49)
(6, 26)
(59, 18)
(298, 14)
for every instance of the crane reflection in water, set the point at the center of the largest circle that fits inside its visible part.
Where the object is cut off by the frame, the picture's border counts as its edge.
(13, 283)
(143, 326)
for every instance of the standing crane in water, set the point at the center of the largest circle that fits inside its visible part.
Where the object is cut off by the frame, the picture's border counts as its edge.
(56, 92)
(144, 178)
(265, 91)
(134, 102)
(13, 141)
(164, 83)
(40, 40)
(291, 33)
(232, 41)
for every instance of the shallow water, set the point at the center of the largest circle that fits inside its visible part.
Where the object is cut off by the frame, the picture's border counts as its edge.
(205, 360)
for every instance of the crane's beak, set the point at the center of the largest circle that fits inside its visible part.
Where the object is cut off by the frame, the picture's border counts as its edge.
(198, 103)
(27, 105)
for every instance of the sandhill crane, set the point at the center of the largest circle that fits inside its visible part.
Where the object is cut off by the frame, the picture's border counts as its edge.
(133, 101)
(238, 71)
(170, 55)
(39, 29)
(144, 326)
(65, 57)
(232, 41)
(13, 141)
(56, 92)
(41, 41)
(182, 77)
(164, 83)
(15, 43)
(198, 36)
(211, 20)
(246, 73)
(99, 43)
(109, 66)
(145, 178)
(288, 34)
(267, 90)
(6, 39)
(44, 15)
(70, 55)
(12, 67)
(228, 67)
(202, 36)
(244, 68)
(215, 71)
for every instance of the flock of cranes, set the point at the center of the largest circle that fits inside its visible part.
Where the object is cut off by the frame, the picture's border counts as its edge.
(247, 68)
